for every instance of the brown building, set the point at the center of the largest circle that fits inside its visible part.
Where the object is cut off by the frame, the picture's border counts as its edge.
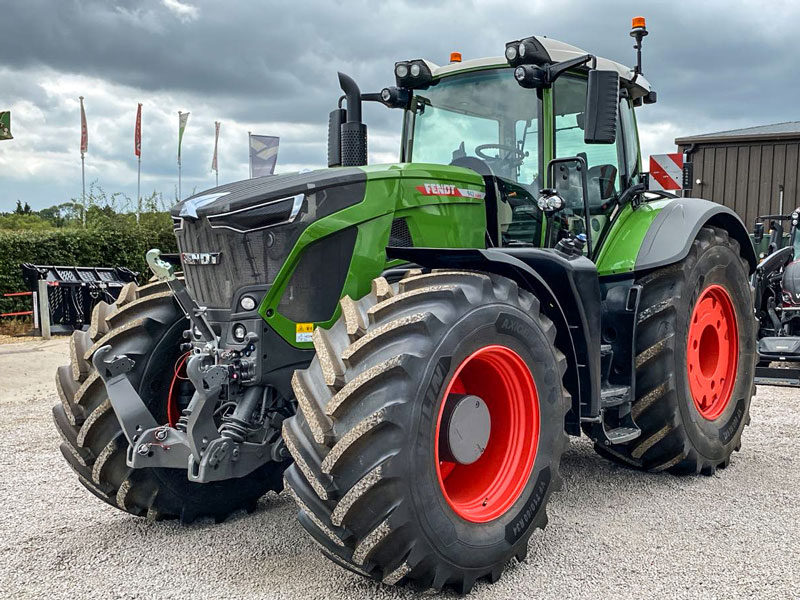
(747, 169)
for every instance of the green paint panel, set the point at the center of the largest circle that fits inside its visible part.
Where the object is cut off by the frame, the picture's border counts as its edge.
(621, 247)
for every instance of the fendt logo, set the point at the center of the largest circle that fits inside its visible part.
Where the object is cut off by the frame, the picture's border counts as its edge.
(448, 189)
(200, 258)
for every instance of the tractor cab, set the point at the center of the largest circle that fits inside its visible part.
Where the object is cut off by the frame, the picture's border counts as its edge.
(481, 116)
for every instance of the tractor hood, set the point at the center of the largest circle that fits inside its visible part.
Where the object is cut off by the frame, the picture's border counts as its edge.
(249, 193)
(266, 193)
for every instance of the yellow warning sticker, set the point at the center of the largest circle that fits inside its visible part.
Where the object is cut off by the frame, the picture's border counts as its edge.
(303, 332)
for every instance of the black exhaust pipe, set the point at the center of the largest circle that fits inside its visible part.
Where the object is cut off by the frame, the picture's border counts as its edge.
(348, 136)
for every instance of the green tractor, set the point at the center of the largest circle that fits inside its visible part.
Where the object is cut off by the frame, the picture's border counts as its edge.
(407, 347)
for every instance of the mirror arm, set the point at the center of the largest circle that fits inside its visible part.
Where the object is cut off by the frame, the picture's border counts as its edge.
(554, 71)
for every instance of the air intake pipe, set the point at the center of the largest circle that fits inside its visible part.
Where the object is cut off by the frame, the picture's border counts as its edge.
(347, 135)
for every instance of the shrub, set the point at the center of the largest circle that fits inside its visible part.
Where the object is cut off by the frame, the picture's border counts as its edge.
(113, 243)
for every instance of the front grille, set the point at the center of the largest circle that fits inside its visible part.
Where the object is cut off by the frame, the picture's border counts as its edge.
(245, 259)
(255, 257)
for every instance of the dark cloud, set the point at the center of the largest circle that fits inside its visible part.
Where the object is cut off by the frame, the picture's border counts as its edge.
(273, 64)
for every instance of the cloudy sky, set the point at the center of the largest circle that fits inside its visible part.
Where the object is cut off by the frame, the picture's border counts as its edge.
(270, 68)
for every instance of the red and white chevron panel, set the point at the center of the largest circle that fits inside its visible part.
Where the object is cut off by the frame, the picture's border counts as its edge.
(666, 171)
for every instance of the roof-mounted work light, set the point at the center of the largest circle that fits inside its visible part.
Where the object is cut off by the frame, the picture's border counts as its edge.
(528, 51)
(412, 74)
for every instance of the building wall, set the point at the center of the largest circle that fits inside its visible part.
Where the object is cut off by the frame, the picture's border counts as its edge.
(746, 176)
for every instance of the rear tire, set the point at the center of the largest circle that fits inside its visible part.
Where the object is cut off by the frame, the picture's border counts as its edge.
(366, 476)
(686, 427)
(146, 324)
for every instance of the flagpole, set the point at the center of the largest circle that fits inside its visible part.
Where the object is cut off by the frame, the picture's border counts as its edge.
(83, 166)
(138, 190)
(179, 156)
(216, 151)
(249, 158)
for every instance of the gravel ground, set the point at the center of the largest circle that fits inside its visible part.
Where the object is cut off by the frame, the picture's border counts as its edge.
(613, 532)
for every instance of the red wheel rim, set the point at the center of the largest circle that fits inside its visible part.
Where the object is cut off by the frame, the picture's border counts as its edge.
(712, 352)
(487, 488)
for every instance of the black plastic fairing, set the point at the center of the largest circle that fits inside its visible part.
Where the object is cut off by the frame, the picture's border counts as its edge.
(569, 294)
(252, 192)
(674, 230)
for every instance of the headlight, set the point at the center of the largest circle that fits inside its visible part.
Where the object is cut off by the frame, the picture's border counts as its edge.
(555, 202)
(247, 303)
(239, 332)
(550, 201)
(412, 74)
(528, 51)
(261, 216)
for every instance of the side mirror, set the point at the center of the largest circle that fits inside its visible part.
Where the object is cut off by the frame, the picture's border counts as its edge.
(758, 232)
(602, 100)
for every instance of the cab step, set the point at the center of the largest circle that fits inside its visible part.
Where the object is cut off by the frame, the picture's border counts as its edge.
(622, 435)
(614, 395)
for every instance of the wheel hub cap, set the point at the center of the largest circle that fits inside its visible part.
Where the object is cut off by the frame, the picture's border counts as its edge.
(712, 352)
(467, 427)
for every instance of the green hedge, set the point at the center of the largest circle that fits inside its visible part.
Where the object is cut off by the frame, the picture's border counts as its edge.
(113, 246)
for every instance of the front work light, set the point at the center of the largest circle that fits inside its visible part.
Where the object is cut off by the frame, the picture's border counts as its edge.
(413, 74)
(528, 51)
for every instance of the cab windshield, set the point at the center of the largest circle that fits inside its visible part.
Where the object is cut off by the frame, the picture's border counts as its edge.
(484, 115)
(486, 122)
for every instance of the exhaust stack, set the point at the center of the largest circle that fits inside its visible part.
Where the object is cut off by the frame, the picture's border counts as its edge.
(347, 134)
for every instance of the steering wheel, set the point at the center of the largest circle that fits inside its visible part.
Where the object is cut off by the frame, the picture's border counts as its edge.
(519, 155)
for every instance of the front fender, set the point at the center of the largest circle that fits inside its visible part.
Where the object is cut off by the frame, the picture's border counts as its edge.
(569, 294)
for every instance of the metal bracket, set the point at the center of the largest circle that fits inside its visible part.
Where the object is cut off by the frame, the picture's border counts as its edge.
(200, 427)
(131, 412)
(160, 447)
(226, 459)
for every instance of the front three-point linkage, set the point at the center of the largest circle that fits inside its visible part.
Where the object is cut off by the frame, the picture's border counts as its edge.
(207, 452)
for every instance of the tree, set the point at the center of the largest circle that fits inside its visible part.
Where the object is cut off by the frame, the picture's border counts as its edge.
(22, 210)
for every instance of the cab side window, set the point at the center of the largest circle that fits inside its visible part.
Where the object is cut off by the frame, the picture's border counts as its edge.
(603, 160)
(630, 138)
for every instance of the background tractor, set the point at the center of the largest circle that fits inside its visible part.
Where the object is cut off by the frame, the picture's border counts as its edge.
(440, 326)
(777, 293)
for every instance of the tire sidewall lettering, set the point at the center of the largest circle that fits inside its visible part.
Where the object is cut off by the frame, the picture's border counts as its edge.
(509, 326)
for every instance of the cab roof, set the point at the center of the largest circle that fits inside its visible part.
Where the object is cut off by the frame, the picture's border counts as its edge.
(558, 51)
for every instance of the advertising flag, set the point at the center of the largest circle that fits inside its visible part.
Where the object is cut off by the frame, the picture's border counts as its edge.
(5, 125)
(84, 131)
(263, 154)
(214, 166)
(182, 118)
(137, 134)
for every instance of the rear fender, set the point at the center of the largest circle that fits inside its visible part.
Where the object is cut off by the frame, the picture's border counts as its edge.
(671, 234)
(555, 281)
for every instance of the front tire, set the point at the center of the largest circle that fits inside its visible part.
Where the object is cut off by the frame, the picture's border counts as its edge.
(695, 362)
(368, 478)
(146, 324)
